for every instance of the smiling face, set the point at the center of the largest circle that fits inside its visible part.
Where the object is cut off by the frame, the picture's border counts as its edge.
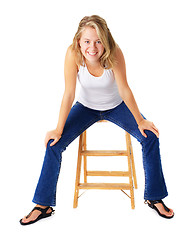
(90, 45)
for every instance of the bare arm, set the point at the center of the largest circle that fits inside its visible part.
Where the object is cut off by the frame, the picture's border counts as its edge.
(70, 75)
(127, 95)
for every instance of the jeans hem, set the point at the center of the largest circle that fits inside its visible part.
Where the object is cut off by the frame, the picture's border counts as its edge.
(156, 198)
(43, 204)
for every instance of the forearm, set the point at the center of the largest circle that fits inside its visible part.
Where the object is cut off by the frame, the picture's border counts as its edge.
(65, 108)
(129, 100)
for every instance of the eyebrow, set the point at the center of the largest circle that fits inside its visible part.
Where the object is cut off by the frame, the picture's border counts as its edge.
(89, 39)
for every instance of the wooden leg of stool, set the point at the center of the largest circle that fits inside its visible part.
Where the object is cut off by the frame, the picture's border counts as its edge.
(133, 165)
(85, 157)
(128, 143)
(78, 171)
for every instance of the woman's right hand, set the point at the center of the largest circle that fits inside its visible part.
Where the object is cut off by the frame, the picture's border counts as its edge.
(55, 135)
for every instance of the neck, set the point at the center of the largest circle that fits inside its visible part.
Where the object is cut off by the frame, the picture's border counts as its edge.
(93, 64)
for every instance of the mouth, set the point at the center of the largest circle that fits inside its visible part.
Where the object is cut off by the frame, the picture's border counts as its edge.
(92, 53)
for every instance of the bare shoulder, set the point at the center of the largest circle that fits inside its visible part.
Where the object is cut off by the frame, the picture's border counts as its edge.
(70, 54)
(70, 58)
(119, 65)
(119, 57)
(118, 52)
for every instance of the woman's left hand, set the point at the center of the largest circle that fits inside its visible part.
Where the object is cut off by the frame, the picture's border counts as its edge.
(147, 125)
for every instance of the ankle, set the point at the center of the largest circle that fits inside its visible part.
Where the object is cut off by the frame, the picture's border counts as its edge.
(41, 206)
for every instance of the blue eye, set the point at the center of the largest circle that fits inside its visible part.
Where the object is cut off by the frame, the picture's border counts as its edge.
(86, 41)
(98, 42)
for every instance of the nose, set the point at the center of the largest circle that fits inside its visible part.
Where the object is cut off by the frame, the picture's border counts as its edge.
(93, 45)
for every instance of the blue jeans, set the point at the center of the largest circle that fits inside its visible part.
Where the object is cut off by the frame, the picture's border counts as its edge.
(79, 119)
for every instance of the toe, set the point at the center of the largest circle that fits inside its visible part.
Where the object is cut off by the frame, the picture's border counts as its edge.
(24, 220)
(171, 212)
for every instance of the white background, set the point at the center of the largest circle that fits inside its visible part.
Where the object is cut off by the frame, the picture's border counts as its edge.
(156, 38)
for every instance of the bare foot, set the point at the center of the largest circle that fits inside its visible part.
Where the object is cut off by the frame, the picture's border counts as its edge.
(34, 214)
(162, 210)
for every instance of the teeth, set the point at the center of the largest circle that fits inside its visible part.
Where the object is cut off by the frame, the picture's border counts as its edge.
(92, 54)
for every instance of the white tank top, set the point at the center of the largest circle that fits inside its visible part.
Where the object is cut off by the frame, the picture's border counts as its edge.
(99, 93)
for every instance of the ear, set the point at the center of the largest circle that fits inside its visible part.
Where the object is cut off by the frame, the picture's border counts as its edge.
(79, 43)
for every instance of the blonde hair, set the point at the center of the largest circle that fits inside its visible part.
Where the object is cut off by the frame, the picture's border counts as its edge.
(107, 60)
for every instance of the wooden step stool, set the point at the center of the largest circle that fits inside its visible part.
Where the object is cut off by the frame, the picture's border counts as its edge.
(131, 173)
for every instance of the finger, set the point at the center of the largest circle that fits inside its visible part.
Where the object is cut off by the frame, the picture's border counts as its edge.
(155, 132)
(47, 139)
(143, 133)
(54, 142)
(46, 142)
(154, 127)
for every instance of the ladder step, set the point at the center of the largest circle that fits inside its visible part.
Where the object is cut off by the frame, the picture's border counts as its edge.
(104, 153)
(110, 186)
(108, 173)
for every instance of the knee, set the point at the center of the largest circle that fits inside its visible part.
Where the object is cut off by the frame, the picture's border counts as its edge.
(151, 137)
(55, 148)
(151, 143)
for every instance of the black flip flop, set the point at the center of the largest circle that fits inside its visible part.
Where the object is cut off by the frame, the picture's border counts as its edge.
(151, 204)
(42, 215)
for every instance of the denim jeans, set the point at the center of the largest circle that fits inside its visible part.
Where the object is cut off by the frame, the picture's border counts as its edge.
(79, 119)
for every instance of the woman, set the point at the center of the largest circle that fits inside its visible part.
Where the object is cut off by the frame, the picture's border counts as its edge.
(98, 63)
